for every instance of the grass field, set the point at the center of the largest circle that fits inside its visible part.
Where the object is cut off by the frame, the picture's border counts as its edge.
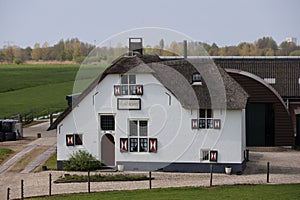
(39, 88)
(274, 192)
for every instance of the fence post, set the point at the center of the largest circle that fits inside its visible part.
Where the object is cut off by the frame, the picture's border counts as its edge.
(268, 172)
(50, 184)
(150, 180)
(8, 189)
(22, 189)
(89, 182)
(211, 175)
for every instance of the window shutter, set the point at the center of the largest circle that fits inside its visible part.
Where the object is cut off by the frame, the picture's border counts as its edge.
(152, 145)
(213, 156)
(139, 90)
(124, 144)
(117, 90)
(217, 124)
(194, 124)
(70, 140)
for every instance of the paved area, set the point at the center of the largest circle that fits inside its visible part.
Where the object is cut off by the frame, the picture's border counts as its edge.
(284, 168)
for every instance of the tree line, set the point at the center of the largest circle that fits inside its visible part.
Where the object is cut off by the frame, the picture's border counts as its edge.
(76, 51)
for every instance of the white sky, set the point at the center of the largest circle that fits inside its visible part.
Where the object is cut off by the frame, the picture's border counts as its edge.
(25, 22)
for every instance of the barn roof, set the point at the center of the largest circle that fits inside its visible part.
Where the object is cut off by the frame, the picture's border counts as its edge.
(217, 91)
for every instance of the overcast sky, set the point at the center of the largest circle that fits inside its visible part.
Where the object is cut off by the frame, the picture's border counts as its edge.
(25, 22)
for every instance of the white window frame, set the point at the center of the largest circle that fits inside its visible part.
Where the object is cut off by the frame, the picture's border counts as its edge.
(138, 136)
(128, 84)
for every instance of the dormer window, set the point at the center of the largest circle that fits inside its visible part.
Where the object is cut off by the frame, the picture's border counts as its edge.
(197, 79)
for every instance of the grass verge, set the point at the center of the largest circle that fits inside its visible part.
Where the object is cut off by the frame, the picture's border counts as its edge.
(274, 192)
(4, 153)
(101, 178)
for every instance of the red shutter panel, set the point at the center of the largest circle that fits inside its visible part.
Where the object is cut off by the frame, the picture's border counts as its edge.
(139, 90)
(217, 124)
(213, 156)
(152, 145)
(117, 90)
(194, 124)
(70, 140)
(124, 144)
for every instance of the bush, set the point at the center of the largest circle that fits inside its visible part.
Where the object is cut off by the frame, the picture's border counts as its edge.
(82, 161)
(18, 61)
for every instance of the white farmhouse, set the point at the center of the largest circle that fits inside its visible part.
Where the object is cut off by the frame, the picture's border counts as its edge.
(160, 114)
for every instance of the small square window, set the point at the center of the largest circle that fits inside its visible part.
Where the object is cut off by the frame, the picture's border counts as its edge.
(197, 77)
(78, 139)
(107, 122)
(202, 113)
(132, 89)
(209, 113)
(202, 123)
(133, 128)
(124, 89)
(143, 144)
(204, 155)
(143, 128)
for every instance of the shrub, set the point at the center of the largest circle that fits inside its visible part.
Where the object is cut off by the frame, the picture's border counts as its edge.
(18, 61)
(82, 161)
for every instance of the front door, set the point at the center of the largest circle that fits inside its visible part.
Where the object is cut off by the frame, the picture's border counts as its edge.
(107, 144)
(108, 150)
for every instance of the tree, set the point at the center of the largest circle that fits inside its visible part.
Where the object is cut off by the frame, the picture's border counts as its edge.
(267, 43)
(295, 53)
(36, 53)
(9, 54)
(286, 48)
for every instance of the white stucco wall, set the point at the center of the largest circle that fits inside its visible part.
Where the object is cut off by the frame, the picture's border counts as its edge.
(170, 124)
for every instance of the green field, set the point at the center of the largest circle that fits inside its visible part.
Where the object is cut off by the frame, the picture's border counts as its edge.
(41, 88)
(274, 192)
(4, 153)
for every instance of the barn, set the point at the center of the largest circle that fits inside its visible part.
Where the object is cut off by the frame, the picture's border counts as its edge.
(158, 114)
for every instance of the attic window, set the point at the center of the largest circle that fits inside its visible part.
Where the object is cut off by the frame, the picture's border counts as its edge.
(197, 79)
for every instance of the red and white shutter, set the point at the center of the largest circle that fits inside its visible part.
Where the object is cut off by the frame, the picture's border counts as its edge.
(117, 90)
(70, 140)
(139, 90)
(152, 145)
(124, 144)
(213, 156)
(217, 124)
(194, 124)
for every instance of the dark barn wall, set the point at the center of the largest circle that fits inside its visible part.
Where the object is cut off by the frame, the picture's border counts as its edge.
(283, 128)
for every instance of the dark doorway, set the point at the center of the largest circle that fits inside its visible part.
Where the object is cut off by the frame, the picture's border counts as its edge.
(298, 130)
(108, 150)
(259, 124)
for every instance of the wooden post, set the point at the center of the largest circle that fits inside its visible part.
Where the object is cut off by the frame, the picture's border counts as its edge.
(268, 172)
(89, 182)
(22, 189)
(50, 184)
(150, 179)
(211, 175)
(8, 189)
(51, 119)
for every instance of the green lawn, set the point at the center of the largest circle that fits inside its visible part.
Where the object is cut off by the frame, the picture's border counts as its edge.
(274, 192)
(4, 153)
(39, 88)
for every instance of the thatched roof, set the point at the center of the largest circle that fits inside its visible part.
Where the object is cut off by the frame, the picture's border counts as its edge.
(217, 91)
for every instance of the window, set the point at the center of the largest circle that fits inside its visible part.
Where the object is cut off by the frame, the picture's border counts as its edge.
(74, 139)
(138, 135)
(78, 139)
(206, 120)
(204, 155)
(197, 78)
(128, 86)
(107, 122)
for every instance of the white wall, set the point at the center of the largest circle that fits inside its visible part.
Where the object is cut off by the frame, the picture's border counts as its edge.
(170, 124)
